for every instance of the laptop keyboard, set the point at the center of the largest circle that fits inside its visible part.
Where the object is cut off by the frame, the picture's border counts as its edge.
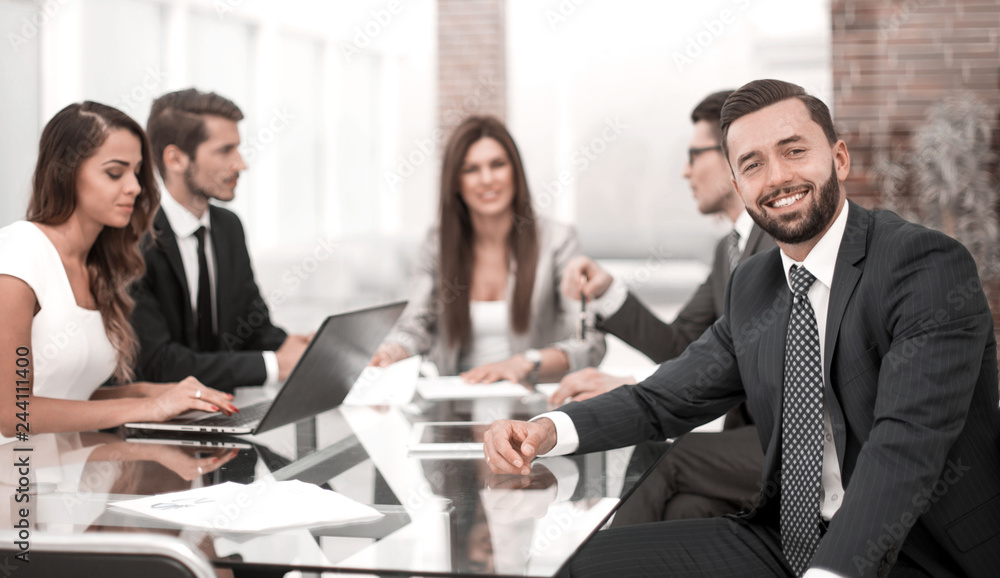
(248, 414)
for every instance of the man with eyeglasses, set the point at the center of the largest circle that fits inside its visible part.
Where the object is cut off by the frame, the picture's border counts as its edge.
(704, 474)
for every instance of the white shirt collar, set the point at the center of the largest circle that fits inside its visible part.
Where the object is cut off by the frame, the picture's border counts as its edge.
(182, 221)
(822, 260)
(743, 226)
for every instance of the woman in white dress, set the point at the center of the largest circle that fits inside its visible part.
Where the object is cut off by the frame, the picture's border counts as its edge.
(64, 276)
(485, 300)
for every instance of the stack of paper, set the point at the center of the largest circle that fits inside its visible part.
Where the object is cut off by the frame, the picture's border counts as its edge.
(256, 507)
(457, 388)
(392, 385)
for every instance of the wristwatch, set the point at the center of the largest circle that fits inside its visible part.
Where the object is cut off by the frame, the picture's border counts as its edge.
(535, 357)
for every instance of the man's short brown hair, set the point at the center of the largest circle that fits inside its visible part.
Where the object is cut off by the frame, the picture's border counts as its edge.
(178, 118)
(710, 110)
(759, 94)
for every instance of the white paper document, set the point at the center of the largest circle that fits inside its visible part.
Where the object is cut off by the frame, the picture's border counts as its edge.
(456, 388)
(392, 385)
(232, 507)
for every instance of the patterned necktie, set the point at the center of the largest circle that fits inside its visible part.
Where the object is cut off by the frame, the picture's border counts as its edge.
(206, 333)
(734, 249)
(802, 429)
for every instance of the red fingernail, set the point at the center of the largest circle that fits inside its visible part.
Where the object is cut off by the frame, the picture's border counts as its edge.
(234, 409)
(215, 408)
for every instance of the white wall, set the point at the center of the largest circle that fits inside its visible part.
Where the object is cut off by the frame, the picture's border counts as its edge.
(333, 92)
(20, 58)
(577, 68)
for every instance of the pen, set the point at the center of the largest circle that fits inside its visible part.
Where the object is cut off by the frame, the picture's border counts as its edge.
(582, 332)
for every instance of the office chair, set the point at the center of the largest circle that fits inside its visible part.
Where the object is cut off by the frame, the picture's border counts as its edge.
(103, 554)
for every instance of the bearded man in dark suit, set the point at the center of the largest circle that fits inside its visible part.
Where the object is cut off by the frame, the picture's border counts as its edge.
(198, 309)
(864, 349)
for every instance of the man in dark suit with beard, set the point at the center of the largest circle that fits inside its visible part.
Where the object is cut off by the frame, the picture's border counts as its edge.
(864, 349)
(198, 309)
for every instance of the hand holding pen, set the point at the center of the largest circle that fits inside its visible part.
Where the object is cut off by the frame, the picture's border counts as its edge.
(584, 279)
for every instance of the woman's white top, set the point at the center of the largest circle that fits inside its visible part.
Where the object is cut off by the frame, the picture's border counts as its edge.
(490, 334)
(72, 353)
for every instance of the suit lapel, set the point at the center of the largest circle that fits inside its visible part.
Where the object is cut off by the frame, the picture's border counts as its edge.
(845, 279)
(753, 241)
(772, 356)
(166, 242)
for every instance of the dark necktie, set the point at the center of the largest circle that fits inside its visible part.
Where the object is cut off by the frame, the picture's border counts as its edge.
(734, 249)
(206, 333)
(802, 429)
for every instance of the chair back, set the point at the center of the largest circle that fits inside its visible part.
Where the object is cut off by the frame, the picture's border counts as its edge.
(102, 554)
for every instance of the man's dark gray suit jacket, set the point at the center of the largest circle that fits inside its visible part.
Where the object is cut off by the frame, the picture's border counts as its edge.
(637, 326)
(166, 325)
(910, 374)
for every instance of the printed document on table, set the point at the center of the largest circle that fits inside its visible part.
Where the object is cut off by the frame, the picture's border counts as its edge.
(257, 507)
(392, 385)
(456, 388)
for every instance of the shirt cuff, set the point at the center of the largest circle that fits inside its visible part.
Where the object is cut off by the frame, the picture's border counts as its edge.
(820, 573)
(270, 367)
(608, 304)
(567, 440)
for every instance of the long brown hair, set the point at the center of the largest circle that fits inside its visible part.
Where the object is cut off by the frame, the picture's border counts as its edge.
(72, 136)
(456, 245)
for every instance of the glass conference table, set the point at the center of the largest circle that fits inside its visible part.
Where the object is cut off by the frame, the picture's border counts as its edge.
(444, 513)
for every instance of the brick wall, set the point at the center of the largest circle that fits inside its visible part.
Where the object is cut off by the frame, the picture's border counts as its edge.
(471, 60)
(892, 59)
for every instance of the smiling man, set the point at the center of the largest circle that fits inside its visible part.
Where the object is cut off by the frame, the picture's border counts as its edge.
(198, 309)
(874, 389)
(704, 474)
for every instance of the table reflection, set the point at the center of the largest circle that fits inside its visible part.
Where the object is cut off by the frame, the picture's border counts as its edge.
(442, 513)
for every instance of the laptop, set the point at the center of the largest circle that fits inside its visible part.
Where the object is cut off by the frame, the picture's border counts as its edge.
(322, 378)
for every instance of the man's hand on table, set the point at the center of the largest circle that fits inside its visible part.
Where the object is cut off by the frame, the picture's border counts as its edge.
(585, 384)
(509, 446)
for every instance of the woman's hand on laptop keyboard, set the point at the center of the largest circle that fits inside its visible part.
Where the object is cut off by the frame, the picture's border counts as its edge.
(173, 399)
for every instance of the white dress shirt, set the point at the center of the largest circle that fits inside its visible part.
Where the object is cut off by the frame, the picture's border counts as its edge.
(821, 262)
(185, 224)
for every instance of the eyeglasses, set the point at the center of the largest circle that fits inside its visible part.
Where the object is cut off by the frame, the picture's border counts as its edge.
(693, 153)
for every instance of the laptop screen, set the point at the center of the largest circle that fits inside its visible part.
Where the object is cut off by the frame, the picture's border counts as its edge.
(334, 360)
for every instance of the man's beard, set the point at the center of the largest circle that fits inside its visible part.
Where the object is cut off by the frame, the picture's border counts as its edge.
(819, 214)
(193, 186)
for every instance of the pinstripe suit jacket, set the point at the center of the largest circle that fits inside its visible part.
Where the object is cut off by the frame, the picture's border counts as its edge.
(910, 383)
